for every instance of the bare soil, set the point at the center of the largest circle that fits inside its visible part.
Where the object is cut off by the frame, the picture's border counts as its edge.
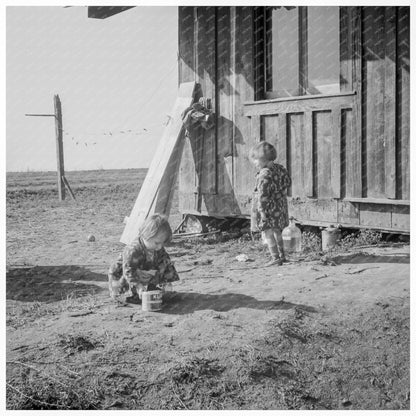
(318, 332)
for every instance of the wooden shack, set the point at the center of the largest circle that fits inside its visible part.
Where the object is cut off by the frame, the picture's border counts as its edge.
(327, 85)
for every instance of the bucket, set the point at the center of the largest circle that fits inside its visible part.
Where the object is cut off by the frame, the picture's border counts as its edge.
(330, 237)
(152, 300)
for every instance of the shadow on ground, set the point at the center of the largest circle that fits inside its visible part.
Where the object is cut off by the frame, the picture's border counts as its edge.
(183, 303)
(51, 283)
(359, 258)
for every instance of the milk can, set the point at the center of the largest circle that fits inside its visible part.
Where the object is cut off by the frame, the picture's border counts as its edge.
(292, 237)
(330, 237)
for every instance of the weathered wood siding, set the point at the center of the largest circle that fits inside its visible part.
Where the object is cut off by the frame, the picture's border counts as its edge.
(222, 57)
(348, 154)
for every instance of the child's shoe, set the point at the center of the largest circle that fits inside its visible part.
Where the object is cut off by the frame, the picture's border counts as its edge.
(132, 296)
(274, 262)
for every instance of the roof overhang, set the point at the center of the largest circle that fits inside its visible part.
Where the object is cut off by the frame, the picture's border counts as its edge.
(102, 12)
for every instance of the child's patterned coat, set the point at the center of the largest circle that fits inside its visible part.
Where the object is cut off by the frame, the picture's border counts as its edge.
(269, 203)
(138, 267)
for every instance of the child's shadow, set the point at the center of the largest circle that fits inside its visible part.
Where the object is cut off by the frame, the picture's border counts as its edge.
(182, 303)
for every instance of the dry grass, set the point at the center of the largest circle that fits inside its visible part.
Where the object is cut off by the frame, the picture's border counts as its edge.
(325, 360)
(301, 362)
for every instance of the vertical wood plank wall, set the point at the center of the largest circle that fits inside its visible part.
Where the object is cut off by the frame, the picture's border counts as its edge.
(403, 103)
(339, 150)
(243, 91)
(206, 76)
(373, 41)
(186, 70)
(224, 101)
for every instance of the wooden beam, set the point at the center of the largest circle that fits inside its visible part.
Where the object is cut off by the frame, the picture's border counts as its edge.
(40, 115)
(357, 134)
(383, 201)
(336, 153)
(158, 181)
(346, 53)
(68, 187)
(186, 41)
(102, 12)
(258, 48)
(403, 103)
(224, 109)
(308, 153)
(256, 128)
(303, 50)
(282, 139)
(390, 103)
(298, 105)
(59, 147)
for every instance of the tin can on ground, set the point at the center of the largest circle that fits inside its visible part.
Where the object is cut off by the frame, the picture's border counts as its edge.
(330, 236)
(152, 300)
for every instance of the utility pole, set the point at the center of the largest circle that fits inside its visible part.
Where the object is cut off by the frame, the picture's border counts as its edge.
(59, 147)
(62, 181)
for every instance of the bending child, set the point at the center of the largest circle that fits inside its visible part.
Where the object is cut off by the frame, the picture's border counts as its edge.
(144, 264)
(269, 202)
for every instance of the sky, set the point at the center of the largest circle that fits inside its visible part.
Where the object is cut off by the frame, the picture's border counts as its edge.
(116, 78)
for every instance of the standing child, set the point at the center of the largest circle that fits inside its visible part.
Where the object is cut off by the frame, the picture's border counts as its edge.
(269, 202)
(144, 264)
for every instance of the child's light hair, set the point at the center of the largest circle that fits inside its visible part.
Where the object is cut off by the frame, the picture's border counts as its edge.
(154, 225)
(263, 151)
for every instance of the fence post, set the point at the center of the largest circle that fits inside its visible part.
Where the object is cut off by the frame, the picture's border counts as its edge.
(59, 147)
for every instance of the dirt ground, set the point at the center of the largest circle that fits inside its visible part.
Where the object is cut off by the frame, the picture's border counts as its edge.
(316, 333)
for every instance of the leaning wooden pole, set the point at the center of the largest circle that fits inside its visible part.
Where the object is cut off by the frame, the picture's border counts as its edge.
(59, 147)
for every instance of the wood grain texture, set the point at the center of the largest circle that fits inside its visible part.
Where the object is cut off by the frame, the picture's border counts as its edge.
(403, 103)
(336, 153)
(164, 165)
(308, 153)
(206, 52)
(400, 218)
(354, 186)
(224, 101)
(324, 137)
(346, 49)
(296, 153)
(390, 102)
(301, 104)
(186, 44)
(350, 158)
(348, 213)
(243, 90)
(59, 147)
(374, 215)
(373, 118)
(355, 134)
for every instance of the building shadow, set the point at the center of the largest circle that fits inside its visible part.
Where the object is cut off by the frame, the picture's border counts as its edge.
(181, 303)
(52, 283)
